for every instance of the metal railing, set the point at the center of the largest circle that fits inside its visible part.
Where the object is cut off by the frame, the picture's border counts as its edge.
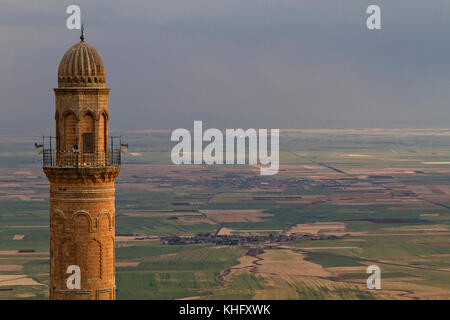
(51, 158)
(75, 158)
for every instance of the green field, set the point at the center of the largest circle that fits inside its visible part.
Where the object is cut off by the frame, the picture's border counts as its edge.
(383, 195)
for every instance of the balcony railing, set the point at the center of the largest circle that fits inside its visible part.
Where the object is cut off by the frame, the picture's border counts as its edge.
(74, 158)
(51, 158)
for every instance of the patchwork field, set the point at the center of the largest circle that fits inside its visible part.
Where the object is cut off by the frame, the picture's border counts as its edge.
(342, 200)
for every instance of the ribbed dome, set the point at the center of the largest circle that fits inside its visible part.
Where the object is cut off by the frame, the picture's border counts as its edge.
(81, 66)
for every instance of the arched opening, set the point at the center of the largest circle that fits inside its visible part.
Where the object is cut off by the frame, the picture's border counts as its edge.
(58, 138)
(87, 134)
(69, 131)
(104, 223)
(103, 134)
(81, 223)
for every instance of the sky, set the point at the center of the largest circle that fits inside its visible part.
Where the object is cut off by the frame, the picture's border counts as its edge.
(235, 63)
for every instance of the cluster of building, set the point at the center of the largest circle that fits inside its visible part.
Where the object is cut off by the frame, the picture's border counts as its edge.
(243, 239)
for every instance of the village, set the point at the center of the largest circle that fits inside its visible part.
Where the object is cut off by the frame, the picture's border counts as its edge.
(242, 240)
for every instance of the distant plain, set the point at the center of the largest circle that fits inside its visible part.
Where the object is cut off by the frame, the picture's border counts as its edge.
(383, 194)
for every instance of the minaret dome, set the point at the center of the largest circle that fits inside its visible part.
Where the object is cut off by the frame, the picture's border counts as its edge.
(81, 66)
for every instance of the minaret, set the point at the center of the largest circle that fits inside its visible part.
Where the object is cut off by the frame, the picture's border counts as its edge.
(82, 168)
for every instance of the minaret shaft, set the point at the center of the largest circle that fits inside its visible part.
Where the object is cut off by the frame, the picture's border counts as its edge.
(82, 170)
(82, 225)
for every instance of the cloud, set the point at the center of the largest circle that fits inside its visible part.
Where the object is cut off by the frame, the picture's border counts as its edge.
(252, 63)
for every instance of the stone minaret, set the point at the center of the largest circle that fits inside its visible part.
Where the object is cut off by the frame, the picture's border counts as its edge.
(82, 167)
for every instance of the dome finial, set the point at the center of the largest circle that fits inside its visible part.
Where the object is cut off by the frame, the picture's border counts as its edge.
(82, 37)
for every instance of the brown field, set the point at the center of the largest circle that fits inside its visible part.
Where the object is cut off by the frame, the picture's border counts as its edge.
(236, 215)
(315, 228)
(414, 290)
(348, 269)
(8, 252)
(246, 262)
(127, 264)
(191, 298)
(289, 263)
(422, 228)
(429, 215)
(133, 238)
(23, 258)
(244, 232)
(367, 234)
(25, 295)
(225, 232)
(355, 155)
(309, 167)
(158, 213)
(10, 267)
(16, 252)
(284, 270)
(189, 221)
(436, 162)
(18, 280)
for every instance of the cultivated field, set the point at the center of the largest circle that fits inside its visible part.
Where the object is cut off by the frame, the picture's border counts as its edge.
(361, 197)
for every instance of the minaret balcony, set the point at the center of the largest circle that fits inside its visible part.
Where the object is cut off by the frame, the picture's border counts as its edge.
(51, 157)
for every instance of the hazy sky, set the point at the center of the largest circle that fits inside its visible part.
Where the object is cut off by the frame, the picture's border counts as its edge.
(236, 63)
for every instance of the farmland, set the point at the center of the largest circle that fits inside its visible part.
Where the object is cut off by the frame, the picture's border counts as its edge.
(382, 195)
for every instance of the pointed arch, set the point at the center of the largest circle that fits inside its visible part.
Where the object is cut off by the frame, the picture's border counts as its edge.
(58, 130)
(105, 114)
(89, 111)
(69, 125)
(103, 133)
(87, 130)
(70, 110)
(87, 120)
